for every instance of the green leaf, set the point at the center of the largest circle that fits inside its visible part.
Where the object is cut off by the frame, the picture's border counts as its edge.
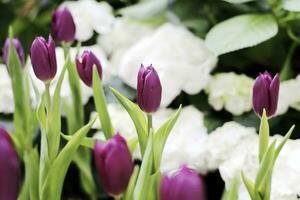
(238, 1)
(142, 183)
(132, 143)
(137, 117)
(282, 143)
(291, 5)
(86, 142)
(54, 120)
(265, 166)
(53, 184)
(101, 107)
(153, 189)
(129, 192)
(232, 193)
(240, 32)
(31, 176)
(263, 135)
(161, 136)
(249, 185)
(145, 9)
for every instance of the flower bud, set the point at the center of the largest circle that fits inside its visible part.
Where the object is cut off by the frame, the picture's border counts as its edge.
(85, 65)
(265, 94)
(184, 184)
(43, 58)
(10, 172)
(148, 89)
(114, 164)
(63, 26)
(19, 48)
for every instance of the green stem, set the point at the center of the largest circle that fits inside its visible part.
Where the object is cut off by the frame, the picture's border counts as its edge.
(286, 71)
(48, 97)
(150, 126)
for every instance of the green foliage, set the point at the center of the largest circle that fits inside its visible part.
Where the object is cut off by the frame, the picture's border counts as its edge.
(241, 32)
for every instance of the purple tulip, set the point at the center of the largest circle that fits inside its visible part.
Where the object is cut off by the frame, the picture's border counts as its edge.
(114, 164)
(43, 58)
(265, 94)
(85, 65)
(63, 26)
(10, 172)
(184, 184)
(19, 48)
(148, 89)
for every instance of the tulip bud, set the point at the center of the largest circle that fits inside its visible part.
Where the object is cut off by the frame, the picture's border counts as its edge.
(184, 184)
(85, 67)
(10, 172)
(19, 48)
(63, 26)
(148, 89)
(114, 164)
(265, 94)
(43, 58)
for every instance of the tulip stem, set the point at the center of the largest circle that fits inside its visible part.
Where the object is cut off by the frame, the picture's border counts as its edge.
(48, 98)
(150, 128)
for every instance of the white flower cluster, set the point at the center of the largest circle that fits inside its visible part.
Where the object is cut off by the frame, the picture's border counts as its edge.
(181, 59)
(90, 16)
(125, 33)
(286, 174)
(6, 94)
(230, 91)
(286, 97)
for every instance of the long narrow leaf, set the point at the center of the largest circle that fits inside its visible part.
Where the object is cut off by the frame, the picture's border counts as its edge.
(161, 136)
(137, 117)
(263, 135)
(101, 107)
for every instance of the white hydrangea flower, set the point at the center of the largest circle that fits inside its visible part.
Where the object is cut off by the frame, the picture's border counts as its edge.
(222, 142)
(286, 97)
(125, 33)
(286, 174)
(6, 94)
(86, 91)
(189, 133)
(90, 16)
(182, 60)
(230, 91)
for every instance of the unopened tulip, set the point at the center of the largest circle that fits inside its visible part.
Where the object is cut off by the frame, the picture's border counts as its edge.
(63, 26)
(43, 58)
(9, 168)
(185, 184)
(265, 94)
(148, 89)
(19, 48)
(114, 164)
(85, 65)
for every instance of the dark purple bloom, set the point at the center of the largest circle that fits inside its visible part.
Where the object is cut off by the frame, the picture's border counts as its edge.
(184, 184)
(265, 94)
(148, 89)
(85, 65)
(10, 172)
(114, 164)
(43, 58)
(63, 26)
(19, 48)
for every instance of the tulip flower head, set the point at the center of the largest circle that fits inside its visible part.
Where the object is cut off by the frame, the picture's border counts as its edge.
(10, 171)
(114, 164)
(183, 184)
(85, 65)
(43, 58)
(265, 94)
(148, 89)
(63, 26)
(19, 48)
